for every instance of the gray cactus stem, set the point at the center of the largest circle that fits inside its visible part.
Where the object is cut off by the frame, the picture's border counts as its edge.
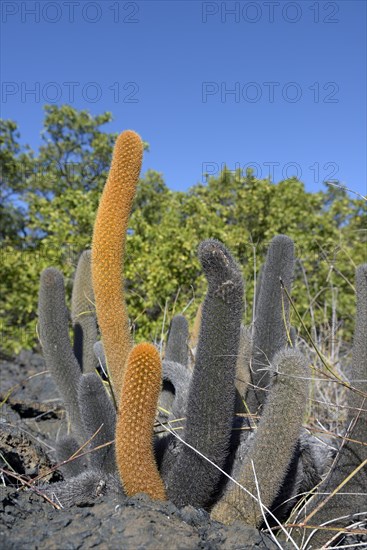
(211, 399)
(263, 464)
(83, 314)
(66, 447)
(99, 419)
(177, 349)
(57, 350)
(271, 317)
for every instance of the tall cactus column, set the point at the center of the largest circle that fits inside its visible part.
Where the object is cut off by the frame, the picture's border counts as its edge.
(83, 315)
(53, 318)
(211, 400)
(271, 317)
(108, 249)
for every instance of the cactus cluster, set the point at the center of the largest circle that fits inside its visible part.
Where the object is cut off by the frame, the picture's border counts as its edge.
(241, 391)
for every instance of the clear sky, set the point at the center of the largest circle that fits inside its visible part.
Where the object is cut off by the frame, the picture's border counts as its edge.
(277, 85)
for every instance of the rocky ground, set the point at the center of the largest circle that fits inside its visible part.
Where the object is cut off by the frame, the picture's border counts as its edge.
(31, 419)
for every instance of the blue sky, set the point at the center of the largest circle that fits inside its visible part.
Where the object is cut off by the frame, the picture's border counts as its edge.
(276, 85)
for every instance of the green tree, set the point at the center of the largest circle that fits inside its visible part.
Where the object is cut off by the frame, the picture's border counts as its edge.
(13, 164)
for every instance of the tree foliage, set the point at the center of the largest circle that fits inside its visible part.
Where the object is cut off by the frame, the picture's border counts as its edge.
(49, 202)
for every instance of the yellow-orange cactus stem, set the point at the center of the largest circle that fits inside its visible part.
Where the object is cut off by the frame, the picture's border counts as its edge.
(134, 428)
(194, 338)
(108, 249)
